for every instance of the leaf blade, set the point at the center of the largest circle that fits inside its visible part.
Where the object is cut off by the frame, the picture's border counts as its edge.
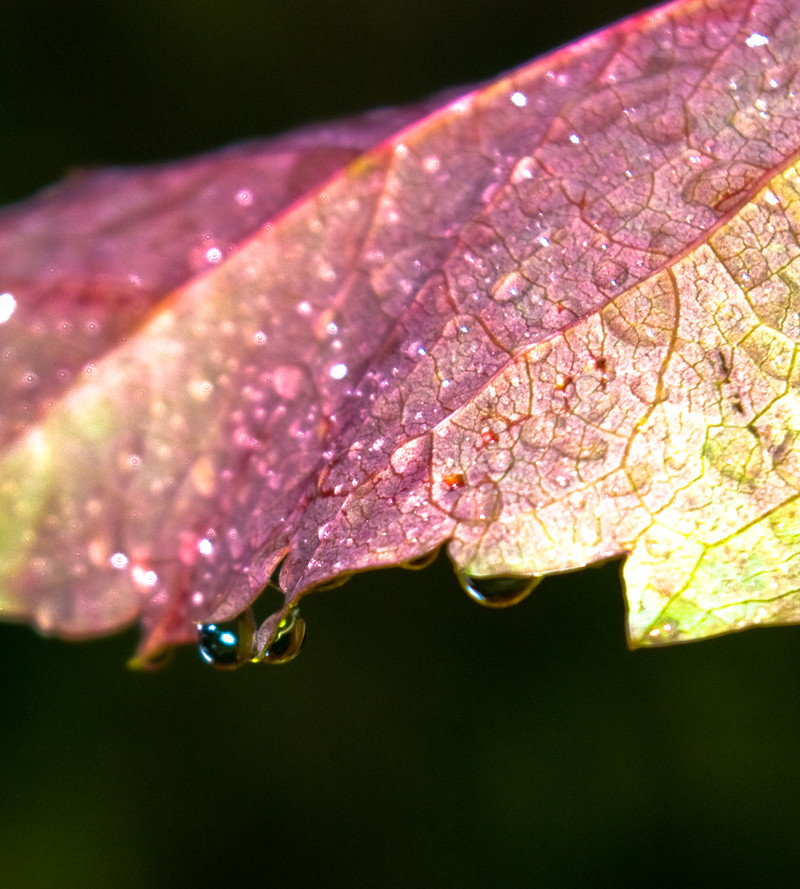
(479, 345)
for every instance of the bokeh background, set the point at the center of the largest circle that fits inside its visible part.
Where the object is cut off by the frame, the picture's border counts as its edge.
(419, 739)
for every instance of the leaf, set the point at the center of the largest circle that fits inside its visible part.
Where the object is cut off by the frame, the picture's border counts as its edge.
(552, 322)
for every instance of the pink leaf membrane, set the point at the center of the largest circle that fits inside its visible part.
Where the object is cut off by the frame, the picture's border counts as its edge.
(548, 323)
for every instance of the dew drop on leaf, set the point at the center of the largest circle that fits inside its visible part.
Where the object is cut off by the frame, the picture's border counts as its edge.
(227, 645)
(499, 591)
(287, 640)
(421, 561)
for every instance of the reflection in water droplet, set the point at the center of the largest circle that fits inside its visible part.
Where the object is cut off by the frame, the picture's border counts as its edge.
(287, 639)
(499, 591)
(227, 645)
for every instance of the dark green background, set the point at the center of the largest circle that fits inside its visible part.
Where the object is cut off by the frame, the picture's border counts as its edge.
(419, 740)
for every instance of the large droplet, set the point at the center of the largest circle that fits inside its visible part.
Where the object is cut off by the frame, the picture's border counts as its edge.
(227, 645)
(287, 639)
(499, 591)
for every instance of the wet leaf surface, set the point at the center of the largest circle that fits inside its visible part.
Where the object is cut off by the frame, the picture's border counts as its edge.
(548, 323)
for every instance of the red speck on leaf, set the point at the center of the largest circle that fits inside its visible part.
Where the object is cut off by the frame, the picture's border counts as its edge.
(454, 480)
(489, 436)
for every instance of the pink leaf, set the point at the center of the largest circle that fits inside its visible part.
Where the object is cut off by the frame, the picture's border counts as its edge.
(549, 322)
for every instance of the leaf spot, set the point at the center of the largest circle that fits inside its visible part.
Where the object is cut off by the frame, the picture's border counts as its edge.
(454, 480)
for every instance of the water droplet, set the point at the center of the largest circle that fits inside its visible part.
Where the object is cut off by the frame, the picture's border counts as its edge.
(334, 583)
(421, 562)
(227, 645)
(287, 640)
(499, 591)
(156, 661)
(610, 276)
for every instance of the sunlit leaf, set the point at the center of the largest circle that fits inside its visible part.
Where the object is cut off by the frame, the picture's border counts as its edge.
(548, 323)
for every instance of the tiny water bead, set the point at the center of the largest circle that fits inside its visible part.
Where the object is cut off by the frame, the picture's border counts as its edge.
(499, 591)
(227, 645)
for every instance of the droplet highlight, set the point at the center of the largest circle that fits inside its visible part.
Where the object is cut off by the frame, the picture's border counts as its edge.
(228, 644)
(8, 305)
(499, 591)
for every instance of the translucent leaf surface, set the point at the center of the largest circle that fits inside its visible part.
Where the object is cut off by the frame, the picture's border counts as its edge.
(548, 323)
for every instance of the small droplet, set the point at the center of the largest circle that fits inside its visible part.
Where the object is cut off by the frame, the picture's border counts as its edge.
(287, 640)
(156, 661)
(421, 561)
(610, 276)
(334, 583)
(227, 645)
(499, 591)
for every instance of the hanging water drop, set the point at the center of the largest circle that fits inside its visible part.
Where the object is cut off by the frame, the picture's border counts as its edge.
(422, 561)
(334, 583)
(499, 591)
(227, 645)
(287, 640)
(156, 661)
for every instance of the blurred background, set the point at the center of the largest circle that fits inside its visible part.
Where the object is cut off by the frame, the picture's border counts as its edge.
(419, 739)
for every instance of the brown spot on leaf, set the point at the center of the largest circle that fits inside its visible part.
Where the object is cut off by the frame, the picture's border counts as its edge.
(454, 480)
